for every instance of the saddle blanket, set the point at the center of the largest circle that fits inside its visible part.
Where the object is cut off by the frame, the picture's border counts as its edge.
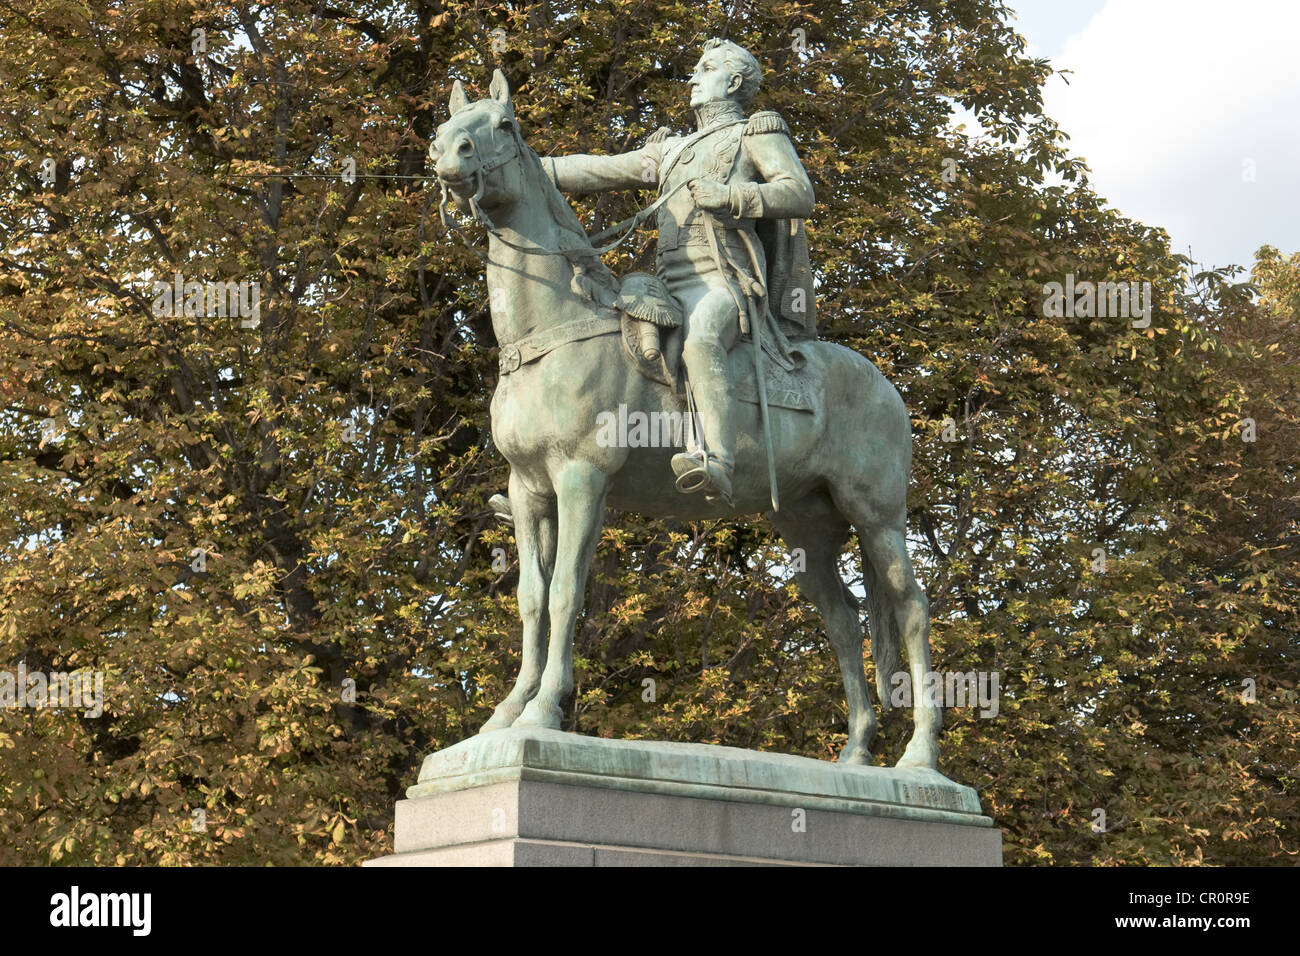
(784, 389)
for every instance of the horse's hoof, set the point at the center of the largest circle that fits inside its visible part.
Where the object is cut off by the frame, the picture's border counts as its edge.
(500, 506)
(506, 714)
(535, 715)
(857, 757)
(920, 754)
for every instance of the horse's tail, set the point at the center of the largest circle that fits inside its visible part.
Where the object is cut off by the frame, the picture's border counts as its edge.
(883, 628)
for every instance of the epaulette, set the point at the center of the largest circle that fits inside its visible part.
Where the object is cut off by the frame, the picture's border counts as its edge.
(659, 135)
(766, 122)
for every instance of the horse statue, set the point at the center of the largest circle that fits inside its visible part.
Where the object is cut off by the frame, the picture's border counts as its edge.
(842, 460)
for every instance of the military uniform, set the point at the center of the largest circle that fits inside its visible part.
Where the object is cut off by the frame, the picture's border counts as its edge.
(767, 187)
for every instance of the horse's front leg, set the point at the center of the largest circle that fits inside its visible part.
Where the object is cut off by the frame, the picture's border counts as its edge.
(580, 498)
(534, 519)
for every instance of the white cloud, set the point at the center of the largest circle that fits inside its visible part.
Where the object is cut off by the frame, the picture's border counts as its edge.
(1168, 99)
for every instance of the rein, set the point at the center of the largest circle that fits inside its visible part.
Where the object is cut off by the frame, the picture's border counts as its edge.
(500, 160)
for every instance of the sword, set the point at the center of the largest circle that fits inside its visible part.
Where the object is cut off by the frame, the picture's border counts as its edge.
(756, 324)
(760, 377)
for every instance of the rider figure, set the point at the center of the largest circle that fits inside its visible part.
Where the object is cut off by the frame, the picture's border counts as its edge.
(735, 171)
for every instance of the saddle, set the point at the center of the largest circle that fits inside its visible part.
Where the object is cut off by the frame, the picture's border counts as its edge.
(651, 327)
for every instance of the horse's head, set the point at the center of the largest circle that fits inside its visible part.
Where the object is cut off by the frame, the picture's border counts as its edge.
(479, 139)
(480, 158)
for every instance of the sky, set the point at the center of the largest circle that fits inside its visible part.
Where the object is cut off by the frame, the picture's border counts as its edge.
(1187, 112)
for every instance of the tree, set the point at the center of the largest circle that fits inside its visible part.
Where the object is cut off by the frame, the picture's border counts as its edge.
(270, 533)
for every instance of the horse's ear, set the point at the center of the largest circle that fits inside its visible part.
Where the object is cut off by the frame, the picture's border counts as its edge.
(458, 99)
(500, 89)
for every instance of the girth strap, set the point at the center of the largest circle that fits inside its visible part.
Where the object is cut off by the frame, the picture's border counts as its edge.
(532, 347)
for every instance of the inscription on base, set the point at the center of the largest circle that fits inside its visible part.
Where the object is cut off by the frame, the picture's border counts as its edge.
(940, 798)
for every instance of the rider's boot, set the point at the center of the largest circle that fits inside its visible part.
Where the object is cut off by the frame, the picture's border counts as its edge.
(708, 466)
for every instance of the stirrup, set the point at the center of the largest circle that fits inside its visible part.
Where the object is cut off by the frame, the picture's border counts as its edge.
(700, 472)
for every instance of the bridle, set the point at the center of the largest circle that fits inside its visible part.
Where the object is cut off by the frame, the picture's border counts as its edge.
(479, 177)
(514, 152)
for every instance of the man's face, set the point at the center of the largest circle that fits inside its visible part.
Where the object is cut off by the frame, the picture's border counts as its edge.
(710, 80)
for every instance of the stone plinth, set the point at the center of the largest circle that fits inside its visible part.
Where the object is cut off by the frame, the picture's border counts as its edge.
(528, 797)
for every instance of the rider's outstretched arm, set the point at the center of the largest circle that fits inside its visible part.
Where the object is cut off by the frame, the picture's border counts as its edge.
(583, 173)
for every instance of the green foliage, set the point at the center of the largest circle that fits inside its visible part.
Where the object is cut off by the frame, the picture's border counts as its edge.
(334, 463)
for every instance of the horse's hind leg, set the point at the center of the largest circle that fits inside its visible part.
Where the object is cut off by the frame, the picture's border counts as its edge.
(820, 531)
(906, 610)
(534, 520)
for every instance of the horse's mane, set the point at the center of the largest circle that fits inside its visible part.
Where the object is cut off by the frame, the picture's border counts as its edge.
(591, 276)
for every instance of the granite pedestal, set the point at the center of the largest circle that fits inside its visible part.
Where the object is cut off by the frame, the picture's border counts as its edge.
(529, 797)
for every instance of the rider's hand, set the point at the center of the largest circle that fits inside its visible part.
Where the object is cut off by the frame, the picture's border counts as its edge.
(709, 194)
